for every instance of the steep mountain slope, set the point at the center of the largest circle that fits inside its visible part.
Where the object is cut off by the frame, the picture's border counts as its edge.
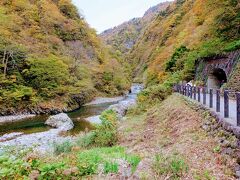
(123, 37)
(185, 32)
(51, 58)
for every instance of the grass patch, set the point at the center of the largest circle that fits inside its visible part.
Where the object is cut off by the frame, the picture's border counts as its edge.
(110, 167)
(173, 166)
(64, 147)
(89, 160)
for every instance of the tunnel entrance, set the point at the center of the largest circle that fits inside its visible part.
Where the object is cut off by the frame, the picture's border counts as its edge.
(216, 78)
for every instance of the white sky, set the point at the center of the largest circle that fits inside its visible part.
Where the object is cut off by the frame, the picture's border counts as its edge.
(105, 14)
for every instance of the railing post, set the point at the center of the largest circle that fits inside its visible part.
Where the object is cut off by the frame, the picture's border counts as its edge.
(199, 95)
(218, 100)
(211, 98)
(204, 95)
(238, 108)
(226, 104)
(195, 92)
(191, 89)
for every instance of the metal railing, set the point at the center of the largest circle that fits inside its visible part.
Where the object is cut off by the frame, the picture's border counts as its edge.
(195, 93)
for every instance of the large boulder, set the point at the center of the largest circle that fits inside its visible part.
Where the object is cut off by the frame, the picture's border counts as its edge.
(121, 108)
(60, 121)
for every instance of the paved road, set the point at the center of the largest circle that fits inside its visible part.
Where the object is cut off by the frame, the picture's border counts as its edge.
(232, 108)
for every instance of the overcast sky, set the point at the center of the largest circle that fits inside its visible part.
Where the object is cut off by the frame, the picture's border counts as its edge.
(104, 14)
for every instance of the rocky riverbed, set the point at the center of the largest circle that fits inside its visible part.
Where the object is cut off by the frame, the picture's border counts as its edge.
(43, 141)
(10, 119)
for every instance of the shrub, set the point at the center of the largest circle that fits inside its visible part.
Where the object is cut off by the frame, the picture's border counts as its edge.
(106, 133)
(63, 147)
(87, 140)
(153, 94)
(51, 170)
(173, 166)
(90, 160)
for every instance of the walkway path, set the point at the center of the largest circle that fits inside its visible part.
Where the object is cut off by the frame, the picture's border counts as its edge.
(232, 108)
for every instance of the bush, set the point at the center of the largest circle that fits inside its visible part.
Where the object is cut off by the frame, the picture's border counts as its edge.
(87, 140)
(173, 166)
(89, 160)
(105, 133)
(153, 94)
(64, 147)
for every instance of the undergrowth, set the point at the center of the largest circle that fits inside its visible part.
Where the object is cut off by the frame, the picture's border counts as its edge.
(172, 166)
(92, 154)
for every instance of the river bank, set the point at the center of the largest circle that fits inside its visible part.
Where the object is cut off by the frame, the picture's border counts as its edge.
(95, 101)
(43, 141)
(14, 118)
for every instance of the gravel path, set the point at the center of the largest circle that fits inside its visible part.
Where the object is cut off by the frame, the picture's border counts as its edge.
(232, 108)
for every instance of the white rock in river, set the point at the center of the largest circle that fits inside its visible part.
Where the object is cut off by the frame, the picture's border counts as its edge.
(60, 121)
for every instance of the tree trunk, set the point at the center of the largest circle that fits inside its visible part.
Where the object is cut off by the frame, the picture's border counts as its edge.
(3, 61)
(5, 66)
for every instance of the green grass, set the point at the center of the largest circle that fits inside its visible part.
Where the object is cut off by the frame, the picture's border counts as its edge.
(173, 166)
(110, 167)
(64, 147)
(89, 160)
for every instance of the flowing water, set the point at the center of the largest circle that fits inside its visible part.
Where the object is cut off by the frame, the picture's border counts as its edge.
(36, 124)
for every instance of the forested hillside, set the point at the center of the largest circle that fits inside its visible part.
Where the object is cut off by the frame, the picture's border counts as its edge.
(185, 32)
(52, 58)
(123, 37)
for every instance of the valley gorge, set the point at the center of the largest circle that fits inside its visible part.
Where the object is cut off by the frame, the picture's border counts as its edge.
(119, 104)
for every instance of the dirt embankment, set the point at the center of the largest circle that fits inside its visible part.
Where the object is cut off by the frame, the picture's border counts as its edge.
(175, 127)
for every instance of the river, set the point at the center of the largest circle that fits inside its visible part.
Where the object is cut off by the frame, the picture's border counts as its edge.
(35, 125)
